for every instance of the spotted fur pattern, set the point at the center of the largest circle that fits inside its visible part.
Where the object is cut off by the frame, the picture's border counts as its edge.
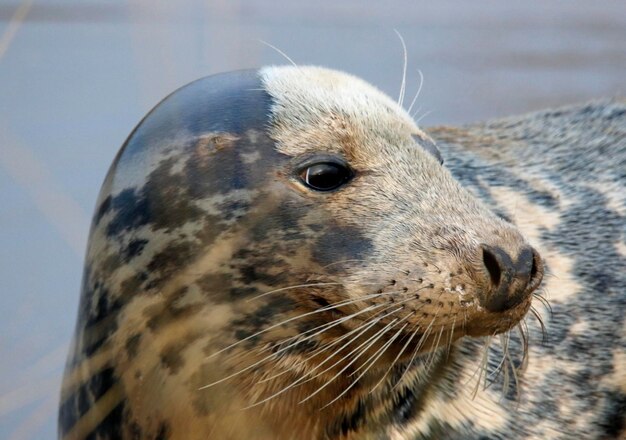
(224, 299)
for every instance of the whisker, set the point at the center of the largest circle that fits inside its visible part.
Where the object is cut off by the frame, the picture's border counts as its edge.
(523, 331)
(418, 120)
(361, 330)
(514, 370)
(353, 351)
(375, 337)
(338, 340)
(433, 352)
(504, 342)
(545, 303)
(282, 289)
(353, 260)
(302, 379)
(334, 323)
(327, 346)
(396, 358)
(371, 361)
(544, 332)
(294, 318)
(386, 344)
(305, 379)
(419, 90)
(415, 351)
(481, 366)
(449, 346)
(280, 52)
(403, 85)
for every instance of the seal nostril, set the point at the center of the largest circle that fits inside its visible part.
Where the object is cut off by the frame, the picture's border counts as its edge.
(536, 271)
(491, 264)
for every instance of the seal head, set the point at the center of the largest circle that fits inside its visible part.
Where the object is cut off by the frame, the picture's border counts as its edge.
(273, 237)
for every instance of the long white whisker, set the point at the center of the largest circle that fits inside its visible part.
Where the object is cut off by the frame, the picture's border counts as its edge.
(377, 355)
(403, 85)
(323, 309)
(280, 52)
(282, 289)
(415, 351)
(384, 347)
(375, 337)
(451, 336)
(370, 325)
(317, 351)
(305, 379)
(395, 360)
(326, 327)
(433, 353)
(481, 367)
(419, 90)
(418, 120)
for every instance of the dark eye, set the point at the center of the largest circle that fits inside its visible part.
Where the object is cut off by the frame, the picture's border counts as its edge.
(325, 176)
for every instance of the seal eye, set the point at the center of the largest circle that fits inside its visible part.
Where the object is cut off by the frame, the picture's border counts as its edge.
(325, 176)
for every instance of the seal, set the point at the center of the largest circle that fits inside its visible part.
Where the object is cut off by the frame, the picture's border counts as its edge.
(281, 253)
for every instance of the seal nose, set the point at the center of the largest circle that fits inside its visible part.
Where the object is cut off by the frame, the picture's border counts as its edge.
(509, 280)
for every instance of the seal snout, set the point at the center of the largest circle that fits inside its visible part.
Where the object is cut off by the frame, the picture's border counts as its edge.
(509, 280)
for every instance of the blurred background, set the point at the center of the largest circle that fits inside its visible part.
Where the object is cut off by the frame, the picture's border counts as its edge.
(76, 76)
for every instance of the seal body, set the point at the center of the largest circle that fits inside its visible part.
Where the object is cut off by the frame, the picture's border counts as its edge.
(281, 254)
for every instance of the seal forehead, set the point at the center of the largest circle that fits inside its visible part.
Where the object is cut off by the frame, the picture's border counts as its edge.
(311, 100)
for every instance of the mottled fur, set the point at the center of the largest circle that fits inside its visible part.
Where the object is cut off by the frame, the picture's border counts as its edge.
(204, 240)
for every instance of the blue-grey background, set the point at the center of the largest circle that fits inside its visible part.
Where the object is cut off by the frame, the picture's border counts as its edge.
(75, 77)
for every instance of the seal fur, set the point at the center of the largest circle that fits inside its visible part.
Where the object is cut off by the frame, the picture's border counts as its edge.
(204, 241)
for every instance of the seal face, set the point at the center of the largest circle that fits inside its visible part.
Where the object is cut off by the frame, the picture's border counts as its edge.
(278, 239)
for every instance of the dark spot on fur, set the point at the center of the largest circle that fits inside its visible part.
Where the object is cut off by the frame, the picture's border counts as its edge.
(404, 409)
(255, 273)
(216, 286)
(103, 209)
(161, 315)
(171, 358)
(233, 209)
(134, 249)
(131, 211)
(111, 426)
(341, 243)
(352, 421)
(167, 262)
(85, 397)
(135, 432)
(614, 420)
(164, 432)
(132, 344)
(322, 302)
(261, 317)
(242, 292)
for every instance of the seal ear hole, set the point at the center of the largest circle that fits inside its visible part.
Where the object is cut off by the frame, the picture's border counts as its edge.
(325, 176)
